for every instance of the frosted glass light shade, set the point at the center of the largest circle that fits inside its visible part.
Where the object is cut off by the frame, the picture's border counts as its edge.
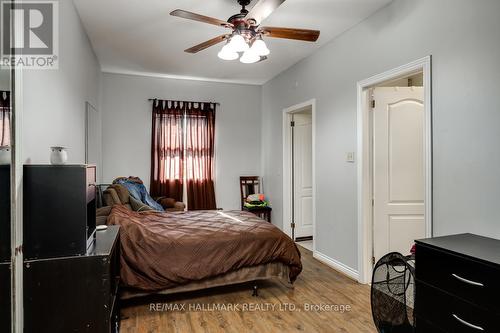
(238, 44)
(249, 57)
(259, 47)
(227, 54)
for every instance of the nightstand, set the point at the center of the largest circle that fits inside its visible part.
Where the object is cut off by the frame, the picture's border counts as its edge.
(262, 212)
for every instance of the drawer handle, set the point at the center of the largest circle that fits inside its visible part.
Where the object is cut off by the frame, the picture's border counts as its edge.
(479, 328)
(467, 281)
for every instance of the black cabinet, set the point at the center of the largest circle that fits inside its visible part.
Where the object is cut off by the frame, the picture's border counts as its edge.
(5, 213)
(5, 272)
(5, 297)
(59, 210)
(458, 284)
(74, 294)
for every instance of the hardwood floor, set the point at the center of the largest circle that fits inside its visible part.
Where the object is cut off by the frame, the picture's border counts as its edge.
(276, 309)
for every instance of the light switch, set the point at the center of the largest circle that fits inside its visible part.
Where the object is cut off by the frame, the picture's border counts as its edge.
(350, 157)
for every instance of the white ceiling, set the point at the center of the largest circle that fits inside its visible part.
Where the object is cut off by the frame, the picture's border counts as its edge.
(139, 36)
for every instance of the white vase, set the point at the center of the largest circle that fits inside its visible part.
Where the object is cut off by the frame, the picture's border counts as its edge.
(58, 155)
(5, 155)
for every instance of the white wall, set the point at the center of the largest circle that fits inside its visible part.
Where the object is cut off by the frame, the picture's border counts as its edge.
(463, 38)
(127, 127)
(54, 100)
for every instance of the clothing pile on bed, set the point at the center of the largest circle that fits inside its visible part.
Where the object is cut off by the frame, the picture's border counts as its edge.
(138, 191)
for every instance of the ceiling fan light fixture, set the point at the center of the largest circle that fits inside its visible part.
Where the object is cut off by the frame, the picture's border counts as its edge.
(227, 53)
(249, 57)
(245, 41)
(238, 43)
(259, 47)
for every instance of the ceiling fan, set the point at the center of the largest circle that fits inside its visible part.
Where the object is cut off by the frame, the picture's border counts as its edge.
(246, 36)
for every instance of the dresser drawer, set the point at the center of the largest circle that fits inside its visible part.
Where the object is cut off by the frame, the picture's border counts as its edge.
(465, 278)
(423, 326)
(451, 314)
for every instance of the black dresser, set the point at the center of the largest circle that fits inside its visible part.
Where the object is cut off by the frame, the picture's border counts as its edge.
(5, 296)
(4, 213)
(458, 284)
(5, 257)
(77, 293)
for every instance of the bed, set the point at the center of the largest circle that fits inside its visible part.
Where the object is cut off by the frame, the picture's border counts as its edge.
(164, 253)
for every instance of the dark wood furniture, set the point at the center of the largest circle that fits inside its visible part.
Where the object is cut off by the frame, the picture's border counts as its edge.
(262, 212)
(59, 210)
(4, 213)
(458, 284)
(251, 185)
(76, 293)
(5, 297)
(5, 272)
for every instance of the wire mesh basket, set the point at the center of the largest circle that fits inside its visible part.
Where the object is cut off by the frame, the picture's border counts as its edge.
(393, 294)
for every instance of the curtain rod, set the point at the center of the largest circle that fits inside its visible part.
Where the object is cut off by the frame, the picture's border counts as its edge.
(171, 100)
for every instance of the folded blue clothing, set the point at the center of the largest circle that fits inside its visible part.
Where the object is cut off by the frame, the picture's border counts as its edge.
(139, 192)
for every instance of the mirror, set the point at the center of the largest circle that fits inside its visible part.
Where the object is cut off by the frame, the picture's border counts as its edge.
(5, 207)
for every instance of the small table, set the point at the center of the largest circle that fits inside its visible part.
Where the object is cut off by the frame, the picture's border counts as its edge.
(262, 212)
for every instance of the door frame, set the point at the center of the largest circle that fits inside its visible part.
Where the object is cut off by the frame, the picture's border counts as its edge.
(287, 160)
(16, 197)
(365, 172)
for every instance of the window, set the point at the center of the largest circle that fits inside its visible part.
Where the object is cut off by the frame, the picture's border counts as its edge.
(182, 152)
(4, 118)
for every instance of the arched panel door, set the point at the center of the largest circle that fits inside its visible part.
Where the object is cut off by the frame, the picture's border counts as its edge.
(398, 169)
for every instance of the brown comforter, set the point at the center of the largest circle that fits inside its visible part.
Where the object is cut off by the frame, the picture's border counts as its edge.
(165, 250)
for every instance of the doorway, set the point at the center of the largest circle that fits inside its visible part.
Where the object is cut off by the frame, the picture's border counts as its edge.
(298, 173)
(395, 159)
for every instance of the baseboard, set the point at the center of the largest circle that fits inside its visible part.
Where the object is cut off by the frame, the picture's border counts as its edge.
(337, 265)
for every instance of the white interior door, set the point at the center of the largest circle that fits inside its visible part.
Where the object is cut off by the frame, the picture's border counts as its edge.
(302, 148)
(398, 169)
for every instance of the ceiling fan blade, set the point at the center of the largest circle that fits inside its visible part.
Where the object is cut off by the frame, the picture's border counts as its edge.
(289, 33)
(201, 18)
(207, 44)
(263, 9)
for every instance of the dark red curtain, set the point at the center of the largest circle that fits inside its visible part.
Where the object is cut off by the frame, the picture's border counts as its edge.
(200, 154)
(167, 150)
(4, 118)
